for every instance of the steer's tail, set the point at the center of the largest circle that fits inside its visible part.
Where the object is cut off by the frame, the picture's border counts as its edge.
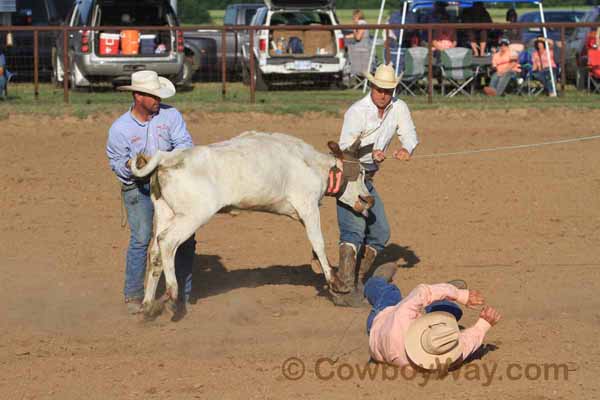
(149, 167)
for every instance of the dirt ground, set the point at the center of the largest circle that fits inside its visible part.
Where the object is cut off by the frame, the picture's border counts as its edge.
(523, 226)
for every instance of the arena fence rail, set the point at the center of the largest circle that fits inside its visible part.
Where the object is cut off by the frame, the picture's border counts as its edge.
(37, 58)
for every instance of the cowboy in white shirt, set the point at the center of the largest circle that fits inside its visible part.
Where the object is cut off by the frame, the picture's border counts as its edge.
(374, 120)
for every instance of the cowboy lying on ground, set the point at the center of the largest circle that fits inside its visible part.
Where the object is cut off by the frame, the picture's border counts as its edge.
(421, 330)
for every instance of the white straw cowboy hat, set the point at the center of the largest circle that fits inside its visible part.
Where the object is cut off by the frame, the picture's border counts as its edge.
(385, 77)
(150, 83)
(432, 340)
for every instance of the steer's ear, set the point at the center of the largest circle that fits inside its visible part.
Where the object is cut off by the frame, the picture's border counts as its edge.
(335, 149)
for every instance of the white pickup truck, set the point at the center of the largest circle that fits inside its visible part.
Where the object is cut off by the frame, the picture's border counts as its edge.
(284, 57)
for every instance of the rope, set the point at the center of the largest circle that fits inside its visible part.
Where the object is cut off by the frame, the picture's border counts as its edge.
(501, 148)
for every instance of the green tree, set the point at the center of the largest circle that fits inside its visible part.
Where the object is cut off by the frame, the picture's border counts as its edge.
(194, 11)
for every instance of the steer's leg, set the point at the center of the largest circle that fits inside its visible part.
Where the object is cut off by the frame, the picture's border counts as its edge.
(162, 216)
(310, 216)
(169, 240)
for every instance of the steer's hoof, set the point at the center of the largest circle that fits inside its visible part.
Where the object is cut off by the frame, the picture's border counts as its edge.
(153, 310)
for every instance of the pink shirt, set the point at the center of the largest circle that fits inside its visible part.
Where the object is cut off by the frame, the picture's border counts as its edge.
(504, 62)
(386, 340)
(541, 59)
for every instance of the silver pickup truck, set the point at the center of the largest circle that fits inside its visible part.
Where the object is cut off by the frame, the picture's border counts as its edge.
(203, 47)
(96, 54)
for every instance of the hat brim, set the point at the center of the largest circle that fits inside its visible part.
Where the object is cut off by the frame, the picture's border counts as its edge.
(382, 84)
(166, 89)
(414, 349)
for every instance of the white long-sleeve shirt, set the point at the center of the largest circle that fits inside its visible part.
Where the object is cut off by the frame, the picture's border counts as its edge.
(362, 118)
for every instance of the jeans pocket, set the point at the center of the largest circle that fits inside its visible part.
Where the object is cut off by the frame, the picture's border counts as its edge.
(131, 197)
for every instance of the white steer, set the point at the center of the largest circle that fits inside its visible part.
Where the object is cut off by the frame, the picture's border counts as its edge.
(256, 171)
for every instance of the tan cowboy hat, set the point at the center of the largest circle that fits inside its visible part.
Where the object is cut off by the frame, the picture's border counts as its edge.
(149, 82)
(385, 77)
(432, 340)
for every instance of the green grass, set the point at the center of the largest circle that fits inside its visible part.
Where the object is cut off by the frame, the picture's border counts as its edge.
(207, 97)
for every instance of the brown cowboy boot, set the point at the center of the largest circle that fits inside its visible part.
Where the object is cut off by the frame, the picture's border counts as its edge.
(344, 292)
(345, 271)
(365, 265)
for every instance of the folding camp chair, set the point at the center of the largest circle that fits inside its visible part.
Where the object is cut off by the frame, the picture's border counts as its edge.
(415, 70)
(457, 68)
(593, 83)
(529, 85)
(359, 63)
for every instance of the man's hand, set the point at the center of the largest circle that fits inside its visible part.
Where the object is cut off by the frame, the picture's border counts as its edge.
(401, 154)
(128, 163)
(475, 299)
(491, 315)
(378, 155)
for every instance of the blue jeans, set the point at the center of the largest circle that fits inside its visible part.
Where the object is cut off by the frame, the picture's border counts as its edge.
(499, 82)
(544, 77)
(2, 85)
(140, 214)
(358, 230)
(382, 294)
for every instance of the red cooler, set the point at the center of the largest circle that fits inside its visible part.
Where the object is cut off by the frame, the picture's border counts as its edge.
(109, 43)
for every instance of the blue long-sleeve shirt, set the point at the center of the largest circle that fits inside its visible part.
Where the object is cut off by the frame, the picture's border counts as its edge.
(128, 137)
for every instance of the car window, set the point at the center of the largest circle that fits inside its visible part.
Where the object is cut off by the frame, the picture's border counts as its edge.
(85, 10)
(260, 16)
(30, 12)
(229, 18)
(135, 13)
(250, 12)
(300, 18)
(567, 16)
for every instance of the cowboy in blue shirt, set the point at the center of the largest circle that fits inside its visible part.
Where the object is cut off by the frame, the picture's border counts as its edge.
(147, 127)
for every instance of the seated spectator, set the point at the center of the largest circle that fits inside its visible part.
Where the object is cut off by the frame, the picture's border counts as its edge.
(541, 68)
(444, 38)
(357, 35)
(513, 34)
(477, 37)
(506, 65)
(592, 40)
(410, 38)
(3, 75)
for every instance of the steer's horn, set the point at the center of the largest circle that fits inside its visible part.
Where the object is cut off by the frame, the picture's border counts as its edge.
(335, 149)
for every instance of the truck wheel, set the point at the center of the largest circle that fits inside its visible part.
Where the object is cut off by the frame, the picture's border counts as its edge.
(245, 75)
(261, 83)
(185, 76)
(57, 69)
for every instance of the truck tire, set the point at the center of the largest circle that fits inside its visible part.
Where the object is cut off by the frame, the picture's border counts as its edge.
(56, 64)
(184, 80)
(261, 84)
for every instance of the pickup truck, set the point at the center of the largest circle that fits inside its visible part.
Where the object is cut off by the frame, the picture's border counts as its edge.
(203, 47)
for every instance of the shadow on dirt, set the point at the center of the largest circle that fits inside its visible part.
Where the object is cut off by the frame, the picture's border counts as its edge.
(210, 277)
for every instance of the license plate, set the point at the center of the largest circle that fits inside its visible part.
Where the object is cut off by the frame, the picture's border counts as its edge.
(302, 65)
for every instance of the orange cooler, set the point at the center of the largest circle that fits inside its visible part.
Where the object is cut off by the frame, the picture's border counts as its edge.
(130, 42)
(109, 43)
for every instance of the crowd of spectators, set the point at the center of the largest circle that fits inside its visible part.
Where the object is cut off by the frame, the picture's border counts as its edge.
(502, 48)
